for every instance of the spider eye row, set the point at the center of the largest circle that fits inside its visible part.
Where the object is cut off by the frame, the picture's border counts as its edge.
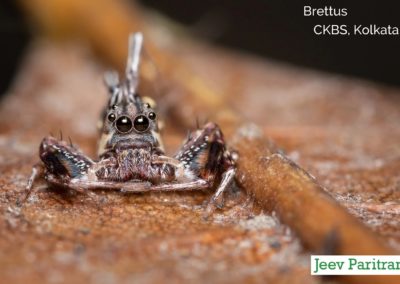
(124, 123)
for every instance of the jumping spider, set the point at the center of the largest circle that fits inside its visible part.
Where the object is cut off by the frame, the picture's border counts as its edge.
(130, 155)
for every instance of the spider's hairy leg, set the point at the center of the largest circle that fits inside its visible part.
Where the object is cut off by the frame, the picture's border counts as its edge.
(204, 155)
(61, 161)
(137, 186)
(37, 170)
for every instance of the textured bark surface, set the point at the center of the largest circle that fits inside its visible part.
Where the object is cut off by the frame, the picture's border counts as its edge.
(59, 236)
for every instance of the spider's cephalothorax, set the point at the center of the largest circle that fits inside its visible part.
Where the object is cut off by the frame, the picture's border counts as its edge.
(130, 153)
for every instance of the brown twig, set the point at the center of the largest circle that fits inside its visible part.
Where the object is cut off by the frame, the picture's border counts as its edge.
(281, 186)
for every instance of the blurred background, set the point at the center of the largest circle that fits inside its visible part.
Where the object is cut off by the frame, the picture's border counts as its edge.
(273, 29)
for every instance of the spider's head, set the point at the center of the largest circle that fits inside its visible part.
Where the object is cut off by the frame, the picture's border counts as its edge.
(128, 121)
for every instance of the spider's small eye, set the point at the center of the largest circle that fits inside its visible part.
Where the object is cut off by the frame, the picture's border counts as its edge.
(147, 105)
(152, 115)
(114, 107)
(111, 117)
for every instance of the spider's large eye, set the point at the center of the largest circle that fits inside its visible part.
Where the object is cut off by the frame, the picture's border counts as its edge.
(152, 115)
(111, 117)
(141, 123)
(124, 124)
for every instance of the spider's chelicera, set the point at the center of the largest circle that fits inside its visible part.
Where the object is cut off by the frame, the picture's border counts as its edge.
(131, 156)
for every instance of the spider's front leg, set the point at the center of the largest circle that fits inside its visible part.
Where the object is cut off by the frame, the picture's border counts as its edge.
(204, 157)
(62, 162)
